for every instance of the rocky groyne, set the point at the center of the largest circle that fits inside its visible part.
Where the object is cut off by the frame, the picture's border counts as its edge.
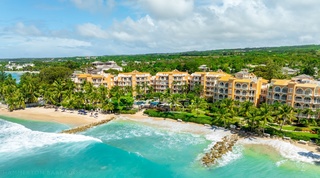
(219, 149)
(86, 127)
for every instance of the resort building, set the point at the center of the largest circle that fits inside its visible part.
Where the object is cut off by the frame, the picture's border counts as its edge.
(175, 80)
(207, 81)
(135, 79)
(106, 80)
(243, 87)
(301, 92)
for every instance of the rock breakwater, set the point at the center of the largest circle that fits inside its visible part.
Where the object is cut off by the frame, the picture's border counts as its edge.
(86, 127)
(219, 149)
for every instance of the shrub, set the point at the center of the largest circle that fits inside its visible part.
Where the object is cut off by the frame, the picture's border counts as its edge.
(132, 111)
(188, 117)
(292, 135)
(304, 129)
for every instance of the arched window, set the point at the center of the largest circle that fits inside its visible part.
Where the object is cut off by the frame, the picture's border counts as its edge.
(244, 92)
(237, 98)
(307, 100)
(243, 99)
(277, 89)
(276, 96)
(238, 85)
(285, 90)
(226, 85)
(220, 90)
(220, 96)
(221, 84)
(226, 91)
(284, 97)
(308, 92)
(244, 86)
(299, 91)
(298, 98)
(238, 92)
(306, 106)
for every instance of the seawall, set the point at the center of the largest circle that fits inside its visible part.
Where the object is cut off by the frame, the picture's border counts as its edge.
(86, 127)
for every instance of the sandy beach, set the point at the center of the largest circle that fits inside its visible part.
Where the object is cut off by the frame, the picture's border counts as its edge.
(74, 119)
(50, 115)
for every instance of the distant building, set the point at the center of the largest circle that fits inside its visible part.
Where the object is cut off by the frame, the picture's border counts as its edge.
(289, 71)
(99, 67)
(12, 65)
(203, 68)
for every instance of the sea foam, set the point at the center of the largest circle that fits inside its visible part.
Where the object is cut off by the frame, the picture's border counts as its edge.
(15, 137)
(286, 150)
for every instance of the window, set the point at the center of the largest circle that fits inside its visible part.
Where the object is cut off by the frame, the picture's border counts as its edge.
(285, 90)
(308, 92)
(299, 91)
(290, 90)
(307, 100)
(277, 89)
(284, 97)
(276, 96)
(289, 97)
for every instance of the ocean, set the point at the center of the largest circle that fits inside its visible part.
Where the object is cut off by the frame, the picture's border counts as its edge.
(126, 148)
(15, 75)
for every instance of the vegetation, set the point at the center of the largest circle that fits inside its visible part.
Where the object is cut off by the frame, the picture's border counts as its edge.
(53, 86)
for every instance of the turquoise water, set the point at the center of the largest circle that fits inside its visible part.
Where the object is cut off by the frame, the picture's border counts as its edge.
(16, 75)
(124, 148)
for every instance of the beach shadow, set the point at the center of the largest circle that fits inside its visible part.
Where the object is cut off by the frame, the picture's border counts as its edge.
(317, 163)
(310, 155)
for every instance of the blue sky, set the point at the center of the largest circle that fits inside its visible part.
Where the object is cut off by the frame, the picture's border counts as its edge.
(57, 28)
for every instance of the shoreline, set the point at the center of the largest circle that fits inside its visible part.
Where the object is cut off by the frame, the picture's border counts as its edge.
(50, 115)
(76, 120)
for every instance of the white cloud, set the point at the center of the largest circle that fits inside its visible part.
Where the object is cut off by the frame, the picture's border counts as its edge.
(91, 30)
(174, 25)
(42, 46)
(94, 5)
(168, 8)
(219, 24)
(22, 29)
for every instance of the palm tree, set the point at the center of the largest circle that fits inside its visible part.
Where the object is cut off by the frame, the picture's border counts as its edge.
(286, 113)
(299, 112)
(58, 90)
(265, 114)
(245, 108)
(308, 112)
(198, 103)
(223, 115)
(253, 118)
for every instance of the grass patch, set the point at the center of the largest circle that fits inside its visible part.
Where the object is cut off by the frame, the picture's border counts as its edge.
(132, 111)
(188, 117)
(293, 135)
